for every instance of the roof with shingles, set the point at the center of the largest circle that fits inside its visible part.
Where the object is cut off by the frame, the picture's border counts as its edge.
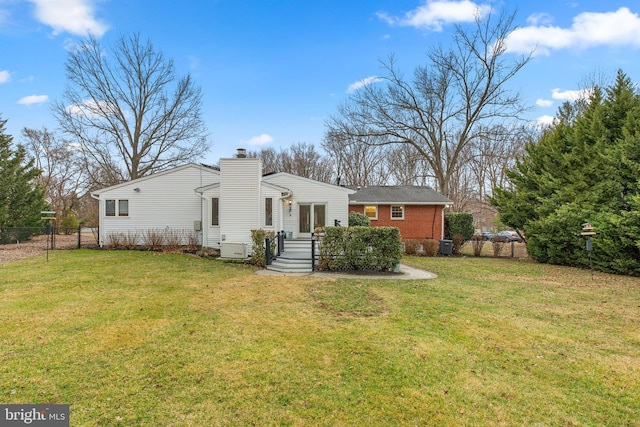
(398, 194)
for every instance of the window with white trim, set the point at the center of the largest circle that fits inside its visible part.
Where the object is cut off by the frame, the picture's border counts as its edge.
(268, 212)
(123, 208)
(397, 212)
(110, 207)
(215, 211)
(371, 211)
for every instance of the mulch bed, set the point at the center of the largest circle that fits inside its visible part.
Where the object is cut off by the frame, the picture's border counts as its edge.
(35, 246)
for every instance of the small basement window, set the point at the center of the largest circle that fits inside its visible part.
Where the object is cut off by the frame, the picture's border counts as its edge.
(397, 212)
(371, 212)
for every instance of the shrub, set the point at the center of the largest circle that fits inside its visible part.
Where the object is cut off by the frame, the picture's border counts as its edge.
(172, 238)
(458, 223)
(69, 222)
(458, 243)
(360, 248)
(498, 245)
(114, 240)
(458, 227)
(477, 242)
(411, 246)
(430, 247)
(129, 240)
(258, 236)
(153, 238)
(357, 219)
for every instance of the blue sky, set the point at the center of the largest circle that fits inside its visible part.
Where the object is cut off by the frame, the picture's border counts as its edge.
(272, 72)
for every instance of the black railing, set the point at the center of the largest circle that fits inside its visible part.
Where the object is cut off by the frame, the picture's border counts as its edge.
(313, 252)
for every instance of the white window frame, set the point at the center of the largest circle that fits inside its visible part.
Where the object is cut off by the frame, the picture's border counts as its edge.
(120, 206)
(270, 199)
(394, 218)
(211, 224)
(117, 203)
(371, 217)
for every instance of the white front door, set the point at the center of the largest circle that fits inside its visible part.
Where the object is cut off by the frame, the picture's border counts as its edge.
(310, 216)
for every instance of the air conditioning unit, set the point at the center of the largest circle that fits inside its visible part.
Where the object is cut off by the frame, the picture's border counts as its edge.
(233, 250)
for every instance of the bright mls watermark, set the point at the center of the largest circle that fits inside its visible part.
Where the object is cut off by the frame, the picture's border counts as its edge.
(34, 415)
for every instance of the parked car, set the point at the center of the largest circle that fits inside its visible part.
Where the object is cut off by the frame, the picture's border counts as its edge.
(487, 235)
(510, 235)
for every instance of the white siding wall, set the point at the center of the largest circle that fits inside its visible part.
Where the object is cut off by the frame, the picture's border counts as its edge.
(165, 200)
(239, 199)
(211, 233)
(275, 196)
(309, 191)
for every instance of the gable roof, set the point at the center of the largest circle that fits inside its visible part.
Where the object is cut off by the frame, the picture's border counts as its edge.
(202, 167)
(398, 194)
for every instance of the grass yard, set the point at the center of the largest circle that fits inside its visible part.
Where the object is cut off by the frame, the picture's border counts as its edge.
(135, 338)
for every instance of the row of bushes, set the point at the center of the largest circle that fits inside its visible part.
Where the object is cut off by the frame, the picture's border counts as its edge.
(360, 248)
(153, 239)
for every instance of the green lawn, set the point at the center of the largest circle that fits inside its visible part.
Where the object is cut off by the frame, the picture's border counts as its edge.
(135, 338)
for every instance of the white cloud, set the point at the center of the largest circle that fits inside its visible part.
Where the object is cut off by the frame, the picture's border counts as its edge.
(260, 140)
(33, 99)
(589, 29)
(5, 76)
(71, 16)
(570, 95)
(544, 102)
(434, 14)
(539, 19)
(93, 109)
(362, 83)
(545, 120)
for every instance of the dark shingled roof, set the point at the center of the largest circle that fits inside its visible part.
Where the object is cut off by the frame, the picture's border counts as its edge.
(398, 194)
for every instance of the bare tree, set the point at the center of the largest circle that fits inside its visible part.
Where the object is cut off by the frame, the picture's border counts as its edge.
(456, 98)
(62, 168)
(356, 163)
(128, 111)
(303, 160)
(407, 167)
(300, 159)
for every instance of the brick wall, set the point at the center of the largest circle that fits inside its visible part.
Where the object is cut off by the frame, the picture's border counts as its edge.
(420, 221)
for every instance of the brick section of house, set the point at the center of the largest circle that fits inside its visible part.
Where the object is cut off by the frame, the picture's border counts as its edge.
(420, 221)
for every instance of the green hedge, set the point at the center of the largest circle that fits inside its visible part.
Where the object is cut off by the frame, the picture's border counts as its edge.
(360, 248)
(259, 249)
(358, 219)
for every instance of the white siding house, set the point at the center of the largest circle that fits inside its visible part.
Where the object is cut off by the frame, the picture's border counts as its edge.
(163, 201)
(221, 206)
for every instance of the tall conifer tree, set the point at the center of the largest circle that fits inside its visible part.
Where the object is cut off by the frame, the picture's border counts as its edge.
(21, 199)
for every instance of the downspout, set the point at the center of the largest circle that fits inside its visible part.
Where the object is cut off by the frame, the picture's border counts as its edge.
(93, 196)
(198, 194)
(286, 195)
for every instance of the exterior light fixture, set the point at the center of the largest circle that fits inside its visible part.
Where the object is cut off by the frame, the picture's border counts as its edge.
(137, 189)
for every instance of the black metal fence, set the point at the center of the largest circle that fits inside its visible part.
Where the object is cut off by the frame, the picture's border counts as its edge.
(56, 237)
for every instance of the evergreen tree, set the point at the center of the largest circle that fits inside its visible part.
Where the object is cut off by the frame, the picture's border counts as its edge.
(585, 168)
(21, 199)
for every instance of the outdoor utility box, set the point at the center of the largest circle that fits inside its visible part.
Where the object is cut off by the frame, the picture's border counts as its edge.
(197, 225)
(233, 250)
(446, 247)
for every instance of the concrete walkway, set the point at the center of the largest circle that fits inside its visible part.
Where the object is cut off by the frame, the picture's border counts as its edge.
(406, 273)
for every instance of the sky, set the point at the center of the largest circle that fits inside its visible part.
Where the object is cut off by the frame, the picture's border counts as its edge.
(272, 72)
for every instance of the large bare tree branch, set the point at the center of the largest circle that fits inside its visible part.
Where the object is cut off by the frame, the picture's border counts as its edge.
(128, 111)
(456, 98)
